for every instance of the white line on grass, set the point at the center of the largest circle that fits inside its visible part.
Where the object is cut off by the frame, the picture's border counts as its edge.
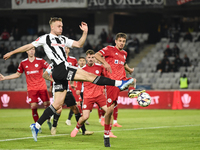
(24, 138)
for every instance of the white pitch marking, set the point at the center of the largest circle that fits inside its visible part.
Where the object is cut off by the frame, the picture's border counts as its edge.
(103, 131)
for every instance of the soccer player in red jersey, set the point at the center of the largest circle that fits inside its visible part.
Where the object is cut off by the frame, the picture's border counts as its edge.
(36, 85)
(113, 59)
(92, 93)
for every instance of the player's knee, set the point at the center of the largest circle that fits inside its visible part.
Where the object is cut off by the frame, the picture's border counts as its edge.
(34, 106)
(85, 117)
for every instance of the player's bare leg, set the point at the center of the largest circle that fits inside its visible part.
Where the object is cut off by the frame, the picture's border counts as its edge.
(82, 75)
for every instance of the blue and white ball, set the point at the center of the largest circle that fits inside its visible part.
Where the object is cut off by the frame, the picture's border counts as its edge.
(144, 99)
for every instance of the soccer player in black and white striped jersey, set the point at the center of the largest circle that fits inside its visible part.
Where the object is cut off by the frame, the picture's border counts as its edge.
(54, 46)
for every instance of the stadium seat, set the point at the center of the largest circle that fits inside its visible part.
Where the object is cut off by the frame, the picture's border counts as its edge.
(168, 86)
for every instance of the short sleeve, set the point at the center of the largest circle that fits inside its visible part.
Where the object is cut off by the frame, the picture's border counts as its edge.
(20, 68)
(68, 42)
(45, 64)
(105, 51)
(39, 41)
(48, 70)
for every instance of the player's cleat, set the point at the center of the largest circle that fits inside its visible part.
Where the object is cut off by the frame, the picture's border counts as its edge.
(80, 130)
(112, 135)
(74, 132)
(106, 142)
(34, 131)
(125, 84)
(68, 122)
(53, 131)
(49, 124)
(88, 132)
(116, 125)
(102, 121)
(40, 130)
(135, 93)
(87, 123)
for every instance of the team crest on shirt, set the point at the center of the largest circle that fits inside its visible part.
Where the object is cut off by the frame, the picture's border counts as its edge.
(109, 100)
(84, 106)
(36, 65)
(97, 71)
(26, 67)
(116, 53)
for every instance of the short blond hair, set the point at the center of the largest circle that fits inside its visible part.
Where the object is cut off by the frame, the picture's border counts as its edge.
(90, 52)
(54, 19)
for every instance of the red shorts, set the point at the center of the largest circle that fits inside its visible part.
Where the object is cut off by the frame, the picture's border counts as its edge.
(89, 102)
(112, 93)
(33, 96)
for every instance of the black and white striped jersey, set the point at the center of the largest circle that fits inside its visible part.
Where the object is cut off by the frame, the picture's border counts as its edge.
(54, 47)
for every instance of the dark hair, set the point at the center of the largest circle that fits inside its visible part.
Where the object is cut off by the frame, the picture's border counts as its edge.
(91, 52)
(81, 57)
(120, 35)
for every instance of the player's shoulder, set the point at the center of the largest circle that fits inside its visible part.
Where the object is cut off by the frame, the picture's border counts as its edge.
(37, 58)
(25, 60)
(108, 47)
(71, 57)
(84, 67)
(97, 64)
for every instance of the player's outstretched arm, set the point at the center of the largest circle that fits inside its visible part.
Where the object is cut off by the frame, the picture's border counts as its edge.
(9, 77)
(81, 41)
(18, 50)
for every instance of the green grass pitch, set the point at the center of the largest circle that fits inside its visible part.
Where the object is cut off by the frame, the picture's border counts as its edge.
(141, 130)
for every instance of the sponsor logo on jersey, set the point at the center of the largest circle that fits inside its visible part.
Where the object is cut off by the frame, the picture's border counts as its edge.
(119, 62)
(186, 99)
(32, 72)
(5, 100)
(56, 44)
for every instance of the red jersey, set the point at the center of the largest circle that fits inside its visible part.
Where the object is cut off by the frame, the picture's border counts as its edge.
(116, 59)
(72, 61)
(92, 90)
(34, 71)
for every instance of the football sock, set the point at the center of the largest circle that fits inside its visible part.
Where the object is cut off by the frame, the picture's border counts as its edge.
(70, 114)
(100, 80)
(48, 112)
(35, 115)
(110, 127)
(115, 113)
(56, 117)
(78, 126)
(131, 88)
(83, 126)
(45, 106)
(106, 130)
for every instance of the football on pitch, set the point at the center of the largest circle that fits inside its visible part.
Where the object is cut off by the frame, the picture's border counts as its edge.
(144, 99)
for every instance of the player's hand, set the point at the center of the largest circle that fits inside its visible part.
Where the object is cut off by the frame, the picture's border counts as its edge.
(131, 70)
(1, 77)
(107, 67)
(78, 92)
(84, 27)
(7, 55)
